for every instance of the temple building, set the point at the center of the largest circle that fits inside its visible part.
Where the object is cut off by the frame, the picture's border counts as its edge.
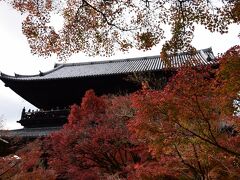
(54, 91)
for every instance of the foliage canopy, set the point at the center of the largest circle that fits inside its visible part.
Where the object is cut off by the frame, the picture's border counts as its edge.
(188, 130)
(99, 27)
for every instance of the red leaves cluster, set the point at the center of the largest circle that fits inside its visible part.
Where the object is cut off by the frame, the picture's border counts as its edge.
(228, 78)
(185, 127)
(96, 139)
(101, 27)
(29, 163)
(190, 129)
(188, 120)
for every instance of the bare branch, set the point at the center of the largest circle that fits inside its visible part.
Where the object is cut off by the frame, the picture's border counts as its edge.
(3, 140)
(104, 16)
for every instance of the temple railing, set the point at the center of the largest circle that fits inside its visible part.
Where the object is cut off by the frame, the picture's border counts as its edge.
(44, 118)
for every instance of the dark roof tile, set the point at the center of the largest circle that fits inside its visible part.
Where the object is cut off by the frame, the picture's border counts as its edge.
(140, 64)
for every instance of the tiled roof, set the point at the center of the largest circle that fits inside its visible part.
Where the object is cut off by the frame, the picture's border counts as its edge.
(30, 132)
(122, 66)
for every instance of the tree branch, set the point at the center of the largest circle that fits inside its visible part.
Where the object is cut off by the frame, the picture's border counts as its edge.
(209, 141)
(205, 119)
(106, 20)
(184, 162)
(3, 140)
(198, 162)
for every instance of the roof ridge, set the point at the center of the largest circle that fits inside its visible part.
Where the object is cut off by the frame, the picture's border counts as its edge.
(50, 71)
(112, 63)
(106, 61)
(192, 53)
(34, 75)
(127, 59)
(20, 75)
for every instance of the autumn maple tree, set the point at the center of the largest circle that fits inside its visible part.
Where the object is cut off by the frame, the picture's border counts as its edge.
(100, 27)
(187, 130)
(194, 121)
(190, 129)
(96, 142)
(29, 162)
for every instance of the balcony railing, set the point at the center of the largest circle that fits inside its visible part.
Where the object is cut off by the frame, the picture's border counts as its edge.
(44, 118)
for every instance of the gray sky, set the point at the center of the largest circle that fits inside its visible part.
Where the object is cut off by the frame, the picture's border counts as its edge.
(15, 57)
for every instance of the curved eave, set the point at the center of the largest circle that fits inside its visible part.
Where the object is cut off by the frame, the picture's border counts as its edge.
(5, 77)
(118, 67)
(20, 76)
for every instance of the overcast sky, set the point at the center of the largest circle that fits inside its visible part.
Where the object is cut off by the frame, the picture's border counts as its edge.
(15, 57)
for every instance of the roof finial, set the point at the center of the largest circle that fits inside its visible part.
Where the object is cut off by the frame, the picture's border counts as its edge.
(40, 73)
(209, 58)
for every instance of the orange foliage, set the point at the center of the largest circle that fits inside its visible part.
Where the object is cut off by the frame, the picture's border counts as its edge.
(188, 121)
(188, 130)
(101, 27)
